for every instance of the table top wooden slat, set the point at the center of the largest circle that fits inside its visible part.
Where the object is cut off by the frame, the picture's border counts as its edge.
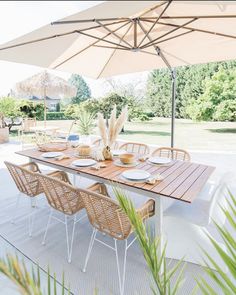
(182, 180)
(197, 185)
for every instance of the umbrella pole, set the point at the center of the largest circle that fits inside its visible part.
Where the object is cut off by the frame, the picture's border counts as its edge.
(45, 109)
(173, 106)
(173, 96)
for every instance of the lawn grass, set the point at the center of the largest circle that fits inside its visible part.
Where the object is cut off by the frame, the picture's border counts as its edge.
(212, 136)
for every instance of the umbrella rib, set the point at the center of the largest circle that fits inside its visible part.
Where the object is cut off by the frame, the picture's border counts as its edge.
(157, 49)
(109, 47)
(153, 8)
(177, 27)
(153, 25)
(113, 52)
(190, 16)
(52, 37)
(87, 47)
(103, 40)
(113, 33)
(65, 22)
(200, 30)
(176, 36)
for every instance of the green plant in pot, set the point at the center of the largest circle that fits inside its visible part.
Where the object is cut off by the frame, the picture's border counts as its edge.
(8, 112)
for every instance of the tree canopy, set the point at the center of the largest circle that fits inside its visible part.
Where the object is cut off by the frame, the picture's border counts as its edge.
(218, 101)
(190, 86)
(83, 90)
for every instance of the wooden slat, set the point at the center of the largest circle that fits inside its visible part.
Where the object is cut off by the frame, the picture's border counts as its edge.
(188, 182)
(197, 186)
(164, 171)
(171, 177)
(168, 190)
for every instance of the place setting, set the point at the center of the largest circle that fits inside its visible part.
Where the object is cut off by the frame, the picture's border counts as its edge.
(140, 176)
(55, 155)
(126, 160)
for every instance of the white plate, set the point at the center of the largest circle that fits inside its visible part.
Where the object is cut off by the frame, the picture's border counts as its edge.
(118, 152)
(84, 162)
(158, 160)
(52, 154)
(136, 174)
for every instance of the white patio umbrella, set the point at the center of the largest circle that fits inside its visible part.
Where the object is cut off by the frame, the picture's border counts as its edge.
(43, 85)
(118, 37)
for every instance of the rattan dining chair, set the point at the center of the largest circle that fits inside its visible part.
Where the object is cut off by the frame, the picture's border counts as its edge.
(135, 147)
(106, 216)
(62, 197)
(172, 153)
(26, 181)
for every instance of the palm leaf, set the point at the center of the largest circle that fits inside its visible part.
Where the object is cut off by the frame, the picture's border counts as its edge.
(149, 246)
(225, 282)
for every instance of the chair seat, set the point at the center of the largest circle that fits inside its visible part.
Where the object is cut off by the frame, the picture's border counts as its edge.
(196, 212)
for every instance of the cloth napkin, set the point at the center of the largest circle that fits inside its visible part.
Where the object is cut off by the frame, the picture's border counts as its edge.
(62, 157)
(154, 178)
(98, 166)
(143, 158)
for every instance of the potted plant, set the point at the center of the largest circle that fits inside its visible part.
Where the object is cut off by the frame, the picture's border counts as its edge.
(8, 112)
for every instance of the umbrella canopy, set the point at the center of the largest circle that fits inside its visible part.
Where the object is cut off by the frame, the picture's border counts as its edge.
(118, 37)
(45, 84)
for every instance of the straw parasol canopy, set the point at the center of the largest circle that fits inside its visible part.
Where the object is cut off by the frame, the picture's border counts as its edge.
(43, 85)
(118, 37)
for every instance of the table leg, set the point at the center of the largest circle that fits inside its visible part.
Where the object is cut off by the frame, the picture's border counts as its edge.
(158, 224)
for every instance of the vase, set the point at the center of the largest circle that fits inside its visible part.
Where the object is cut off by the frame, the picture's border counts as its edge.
(107, 153)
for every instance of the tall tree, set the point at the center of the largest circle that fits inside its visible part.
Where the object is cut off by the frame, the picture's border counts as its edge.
(190, 87)
(83, 90)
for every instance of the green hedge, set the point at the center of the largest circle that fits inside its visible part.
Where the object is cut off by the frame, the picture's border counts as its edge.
(56, 116)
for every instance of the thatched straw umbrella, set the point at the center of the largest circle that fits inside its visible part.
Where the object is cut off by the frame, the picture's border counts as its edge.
(45, 85)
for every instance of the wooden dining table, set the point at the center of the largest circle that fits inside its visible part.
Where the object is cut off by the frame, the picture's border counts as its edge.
(182, 181)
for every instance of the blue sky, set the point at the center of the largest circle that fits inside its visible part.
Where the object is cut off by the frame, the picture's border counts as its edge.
(20, 17)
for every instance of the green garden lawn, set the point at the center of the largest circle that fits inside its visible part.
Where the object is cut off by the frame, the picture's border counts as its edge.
(211, 136)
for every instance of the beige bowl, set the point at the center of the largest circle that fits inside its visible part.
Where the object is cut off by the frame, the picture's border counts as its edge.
(127, 158)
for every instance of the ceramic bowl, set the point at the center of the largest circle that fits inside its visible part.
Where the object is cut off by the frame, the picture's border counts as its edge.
(127, 158)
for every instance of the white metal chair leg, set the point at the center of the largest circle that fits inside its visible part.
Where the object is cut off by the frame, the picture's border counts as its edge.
(33, 202)
(70, 245)
(93, 236)
(31, 221)
(48, 223)
(74, 179)
(16, 207)
(121, 278)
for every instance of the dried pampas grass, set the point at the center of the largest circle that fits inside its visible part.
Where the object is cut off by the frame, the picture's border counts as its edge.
(112, 126)
(115, 126)
(102, 129)
(120, 122)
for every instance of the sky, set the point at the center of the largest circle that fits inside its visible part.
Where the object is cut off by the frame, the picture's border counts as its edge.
(21, 17)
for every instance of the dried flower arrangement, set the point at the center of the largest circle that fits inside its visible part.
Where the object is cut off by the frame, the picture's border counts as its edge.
(110, 134)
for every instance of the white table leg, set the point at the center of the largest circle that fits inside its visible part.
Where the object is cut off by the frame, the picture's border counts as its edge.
(158, 224)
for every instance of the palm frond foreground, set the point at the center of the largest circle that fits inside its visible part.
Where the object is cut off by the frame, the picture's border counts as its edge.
(225, 282)
(166, 281)
(29, 283)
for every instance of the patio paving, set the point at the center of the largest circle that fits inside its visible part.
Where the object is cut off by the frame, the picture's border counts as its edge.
(101, 272)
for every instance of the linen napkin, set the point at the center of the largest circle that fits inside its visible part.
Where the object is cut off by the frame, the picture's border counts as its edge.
(154, 178)
(99, 166)
(62, 157)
